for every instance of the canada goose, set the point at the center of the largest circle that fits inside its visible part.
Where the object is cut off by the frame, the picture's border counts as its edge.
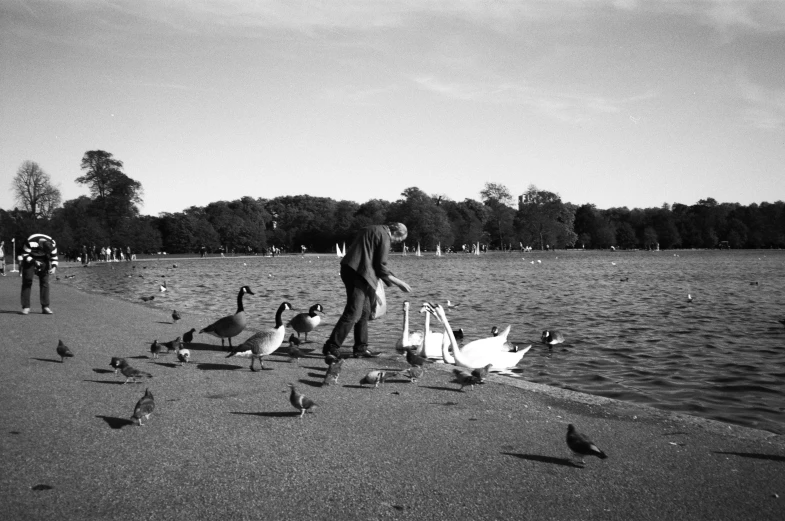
(265, 341)
(306, 322)
(232, 325)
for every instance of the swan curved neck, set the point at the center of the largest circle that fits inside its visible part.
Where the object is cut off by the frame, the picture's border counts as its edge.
(405, 332)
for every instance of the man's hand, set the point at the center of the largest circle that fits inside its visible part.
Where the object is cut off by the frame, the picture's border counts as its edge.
(52, 269)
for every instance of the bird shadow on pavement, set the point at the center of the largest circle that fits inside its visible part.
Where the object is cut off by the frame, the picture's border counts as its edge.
(111, 382)
(166, 364)
(543, 459)
(316, 375)
(439, 388)
(116, 423)
(218, 367)
(320, 368)
(9, 312)
(46, 360)
(770, 457)
(170, 323)
(276, 414)
(198, 346)
(310, 383)
(103, 371)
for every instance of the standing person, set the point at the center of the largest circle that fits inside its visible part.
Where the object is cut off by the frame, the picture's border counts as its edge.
(127, 253)
(39, 258)
(2, 258)
(363, 265)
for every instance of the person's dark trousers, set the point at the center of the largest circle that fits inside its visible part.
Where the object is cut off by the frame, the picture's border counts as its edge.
(28, 273)
(355, 314)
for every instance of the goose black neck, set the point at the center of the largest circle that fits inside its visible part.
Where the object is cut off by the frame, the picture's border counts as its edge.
(240, 301)
(278, 321)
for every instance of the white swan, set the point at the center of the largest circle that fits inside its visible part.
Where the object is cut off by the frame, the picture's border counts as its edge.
(433, 341)
(498, 359)
(408, 339)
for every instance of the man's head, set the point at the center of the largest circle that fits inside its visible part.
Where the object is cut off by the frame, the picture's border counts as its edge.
(398, 232)
(46, 246)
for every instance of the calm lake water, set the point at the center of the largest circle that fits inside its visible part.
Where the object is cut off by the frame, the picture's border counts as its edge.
(722, 356)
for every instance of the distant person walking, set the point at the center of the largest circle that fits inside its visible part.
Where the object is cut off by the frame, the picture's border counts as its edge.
(39, 258)
(363, 265)
(2, 258)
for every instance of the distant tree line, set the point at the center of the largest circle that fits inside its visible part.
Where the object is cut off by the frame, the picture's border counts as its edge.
(110, 216)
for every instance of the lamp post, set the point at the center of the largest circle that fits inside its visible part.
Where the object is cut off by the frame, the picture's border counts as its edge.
(13, 242)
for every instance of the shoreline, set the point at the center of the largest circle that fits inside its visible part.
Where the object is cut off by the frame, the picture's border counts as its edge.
(223, 441)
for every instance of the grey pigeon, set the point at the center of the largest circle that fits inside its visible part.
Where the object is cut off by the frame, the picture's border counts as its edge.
(581, 445)
(131, 373)
(176, 316)
(188, 336)
(183, 355)
(465, 379)
(374, 378)
(117, 363)
(63, 351)
(173, 345)
(155, 348)
(300, 402)
(148, 299)
(144, 407)
(414, 359)
(482, 372)
(413, 373)
(333, 372)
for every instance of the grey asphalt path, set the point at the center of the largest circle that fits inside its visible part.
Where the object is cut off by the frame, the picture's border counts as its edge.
(224, 443)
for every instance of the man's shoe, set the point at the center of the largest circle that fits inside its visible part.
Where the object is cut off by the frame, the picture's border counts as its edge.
(365, 354)
(25, 311)
(46, 311)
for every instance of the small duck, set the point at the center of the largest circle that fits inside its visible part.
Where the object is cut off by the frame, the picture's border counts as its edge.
(148, 299)
(552, 337)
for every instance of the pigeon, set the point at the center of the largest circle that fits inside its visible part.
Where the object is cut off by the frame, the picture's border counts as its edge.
(293, 340)
(173, 345)
(413, 359)
(63, 351)
(176, 316)
(582, 446)
(300, 402)
(481, 373)
(183, 355)
(294, 353)
(625, 279)
(131, 373)
(116, 363)
(374, 377)
(155, 348)
(333, 372)
(188, 336)
(413, 373)
(144, 407)
(148, 299)
(465, 378)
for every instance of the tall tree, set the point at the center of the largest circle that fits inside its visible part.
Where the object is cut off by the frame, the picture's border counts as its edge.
(499, 224)
(115, 193)
(34, 191)
(543, 219)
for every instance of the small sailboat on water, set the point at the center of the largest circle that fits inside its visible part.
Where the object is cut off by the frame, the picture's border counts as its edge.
(419, 253)
(477, 250)
(338, 251)
(439, 249)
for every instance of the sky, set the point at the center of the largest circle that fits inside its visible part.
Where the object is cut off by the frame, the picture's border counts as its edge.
(614, 103)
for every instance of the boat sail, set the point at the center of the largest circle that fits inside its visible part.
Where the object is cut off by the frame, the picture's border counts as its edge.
(338, 251)
(439, 249)
(477, 251)
(419, 253)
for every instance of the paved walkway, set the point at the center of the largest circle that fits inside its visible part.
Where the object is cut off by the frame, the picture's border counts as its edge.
(224, 443)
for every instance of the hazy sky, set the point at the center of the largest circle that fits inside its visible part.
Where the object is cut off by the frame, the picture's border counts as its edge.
(616, 103)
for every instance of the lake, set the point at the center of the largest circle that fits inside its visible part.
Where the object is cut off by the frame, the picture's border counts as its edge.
(630, 331)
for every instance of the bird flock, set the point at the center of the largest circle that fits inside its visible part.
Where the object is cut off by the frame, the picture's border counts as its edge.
(473, 361)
